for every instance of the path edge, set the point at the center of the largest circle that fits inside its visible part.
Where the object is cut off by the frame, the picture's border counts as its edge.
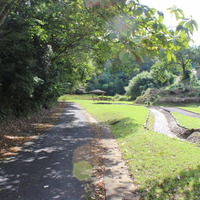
(117, 178)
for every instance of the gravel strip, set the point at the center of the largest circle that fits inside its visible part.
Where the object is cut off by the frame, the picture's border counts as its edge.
(161, 123)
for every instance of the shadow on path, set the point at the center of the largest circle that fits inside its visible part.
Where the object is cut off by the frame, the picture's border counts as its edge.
(44, 169)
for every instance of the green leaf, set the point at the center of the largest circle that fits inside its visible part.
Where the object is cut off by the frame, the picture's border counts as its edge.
(155, 26)
(123, 55)
(179, 28)
(177, 12)
(138, 11)
(160, 17)
(173, 57)
(195, 24)
(169, 56)
(137, 56)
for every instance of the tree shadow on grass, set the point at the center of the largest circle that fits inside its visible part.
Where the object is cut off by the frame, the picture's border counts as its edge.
(123, 127)
(185, 186)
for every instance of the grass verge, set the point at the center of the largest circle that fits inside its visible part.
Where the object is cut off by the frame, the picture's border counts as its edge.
(90, 97)
(195, 109)
(186, 121)
(163, 167)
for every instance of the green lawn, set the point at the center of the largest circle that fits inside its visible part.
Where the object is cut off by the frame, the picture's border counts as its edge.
(186, 121)
(164, 168)
(75, 97)
(89, 97)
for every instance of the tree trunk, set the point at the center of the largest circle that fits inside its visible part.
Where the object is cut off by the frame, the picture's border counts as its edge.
(184, 70)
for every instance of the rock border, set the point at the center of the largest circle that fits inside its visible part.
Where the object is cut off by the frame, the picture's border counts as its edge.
(183, 132)
(191, 135)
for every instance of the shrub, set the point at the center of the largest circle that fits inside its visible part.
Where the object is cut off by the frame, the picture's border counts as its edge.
(139, 84)
(149, 97)
(161, 74)
(119, 97)
(186, 88)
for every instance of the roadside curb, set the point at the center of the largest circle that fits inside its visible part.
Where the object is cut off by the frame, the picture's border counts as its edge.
(119, 185)
(117, 179)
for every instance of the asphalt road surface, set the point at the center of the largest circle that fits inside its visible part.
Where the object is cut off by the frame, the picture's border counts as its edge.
(182, 111)
(55, 166)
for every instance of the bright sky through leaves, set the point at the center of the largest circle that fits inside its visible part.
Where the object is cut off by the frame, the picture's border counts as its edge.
(190, 8)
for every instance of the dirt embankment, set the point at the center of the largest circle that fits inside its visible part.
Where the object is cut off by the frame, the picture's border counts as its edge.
(176, 96)
(15, 132)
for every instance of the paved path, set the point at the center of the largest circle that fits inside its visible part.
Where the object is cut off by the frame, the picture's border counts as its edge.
(44, 169)
(182, 111)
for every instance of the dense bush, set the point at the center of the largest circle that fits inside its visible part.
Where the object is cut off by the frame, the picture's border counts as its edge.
(28, 81)
(189, 88)
(150, 97)
(182, 92)
(36, 39)
(119, 97)
(161, 74)
(139, 84)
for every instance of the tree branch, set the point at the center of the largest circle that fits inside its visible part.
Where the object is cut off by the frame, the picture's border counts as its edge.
(70, 45)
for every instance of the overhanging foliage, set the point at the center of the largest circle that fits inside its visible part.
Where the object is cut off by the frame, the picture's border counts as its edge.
(49, 47)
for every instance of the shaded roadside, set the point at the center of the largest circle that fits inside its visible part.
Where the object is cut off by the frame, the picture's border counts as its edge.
(15, 132)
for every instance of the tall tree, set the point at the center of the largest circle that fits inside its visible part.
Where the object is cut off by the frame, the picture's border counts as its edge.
(46, 45)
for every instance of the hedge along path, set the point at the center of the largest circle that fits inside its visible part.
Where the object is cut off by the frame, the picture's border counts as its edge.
(117, 180)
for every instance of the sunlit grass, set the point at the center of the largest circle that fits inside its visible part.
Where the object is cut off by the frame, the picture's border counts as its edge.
(70, 98)
(186, 121)
(163, 167)
(195, 109)
(75, 97)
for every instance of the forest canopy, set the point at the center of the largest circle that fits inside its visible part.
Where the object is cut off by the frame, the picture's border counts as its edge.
(48, 47)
